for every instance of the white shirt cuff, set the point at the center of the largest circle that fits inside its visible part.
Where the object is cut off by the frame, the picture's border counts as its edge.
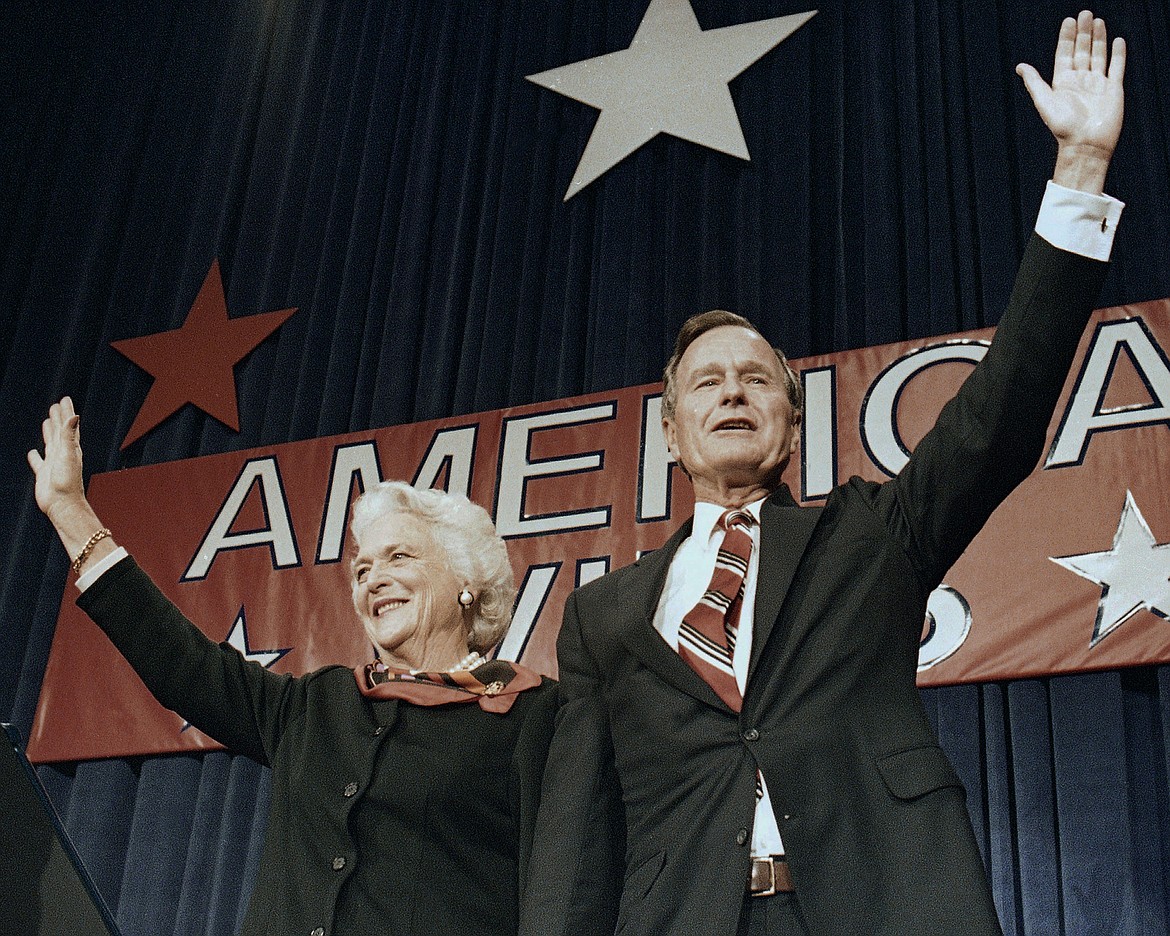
(1078, 222)
(95, 571)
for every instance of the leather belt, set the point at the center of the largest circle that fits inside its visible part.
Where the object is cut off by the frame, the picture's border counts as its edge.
(770, 876)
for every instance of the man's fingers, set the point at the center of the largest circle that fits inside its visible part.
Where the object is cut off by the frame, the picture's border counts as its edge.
(1065, 45)
(1100, 47)
(34, 460)
(1037, 87)
(1083, 51)
(1117, 62)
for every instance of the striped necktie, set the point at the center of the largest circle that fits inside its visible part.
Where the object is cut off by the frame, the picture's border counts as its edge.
(706, 637)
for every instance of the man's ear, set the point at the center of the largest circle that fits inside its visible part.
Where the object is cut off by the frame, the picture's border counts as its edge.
(670, 436)
(797, 419)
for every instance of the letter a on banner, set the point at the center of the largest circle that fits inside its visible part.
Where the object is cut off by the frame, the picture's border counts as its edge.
(264, 474)
(1087, 413)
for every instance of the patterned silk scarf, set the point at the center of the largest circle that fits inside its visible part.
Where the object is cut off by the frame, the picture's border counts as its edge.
(494, 684)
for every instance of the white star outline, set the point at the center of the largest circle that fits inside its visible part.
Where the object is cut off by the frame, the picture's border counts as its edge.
(1134, 575)
(672, 79)
(238, 638)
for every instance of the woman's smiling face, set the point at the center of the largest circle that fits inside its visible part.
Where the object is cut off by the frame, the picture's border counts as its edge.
(405, 594)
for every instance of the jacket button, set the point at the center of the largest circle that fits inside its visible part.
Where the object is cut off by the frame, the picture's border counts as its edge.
(350, 789)
(338, 863)
(318, 931)
(751, 735)
(741, 837)
(379, 730)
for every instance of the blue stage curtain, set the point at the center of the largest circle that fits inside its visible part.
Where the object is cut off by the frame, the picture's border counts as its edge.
(385, 168)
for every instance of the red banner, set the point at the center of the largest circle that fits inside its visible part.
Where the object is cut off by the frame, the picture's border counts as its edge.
(1072, 572)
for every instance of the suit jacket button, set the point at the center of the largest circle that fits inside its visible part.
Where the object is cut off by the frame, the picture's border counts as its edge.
(751, 735)
(338, 863)
(741, 837)
(379, 730)
(350, 789)
(318, 931)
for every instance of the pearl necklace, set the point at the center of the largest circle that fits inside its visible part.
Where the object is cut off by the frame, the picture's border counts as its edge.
(469, 662)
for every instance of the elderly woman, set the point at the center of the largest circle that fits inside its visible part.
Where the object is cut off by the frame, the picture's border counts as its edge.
(403, 792)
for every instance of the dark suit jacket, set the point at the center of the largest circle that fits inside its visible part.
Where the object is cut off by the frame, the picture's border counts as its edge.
(385, 817)
(872, 814)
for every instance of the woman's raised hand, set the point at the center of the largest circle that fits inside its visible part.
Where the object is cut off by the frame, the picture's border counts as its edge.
(58, 471)
(60, 490)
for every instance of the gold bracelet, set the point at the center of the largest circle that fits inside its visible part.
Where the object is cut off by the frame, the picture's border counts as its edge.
(88, 548)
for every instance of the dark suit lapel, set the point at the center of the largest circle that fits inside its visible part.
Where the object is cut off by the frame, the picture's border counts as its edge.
(785, 529)
(635, 622)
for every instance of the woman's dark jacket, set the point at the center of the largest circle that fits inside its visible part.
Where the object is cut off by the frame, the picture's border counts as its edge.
(385, 817)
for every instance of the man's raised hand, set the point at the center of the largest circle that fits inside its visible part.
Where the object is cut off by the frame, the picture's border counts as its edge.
(1083, 106)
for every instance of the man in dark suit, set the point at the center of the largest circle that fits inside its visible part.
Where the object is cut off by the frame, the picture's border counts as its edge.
(781, 776)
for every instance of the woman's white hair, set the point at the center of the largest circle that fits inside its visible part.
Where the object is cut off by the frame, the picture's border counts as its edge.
(464, 531)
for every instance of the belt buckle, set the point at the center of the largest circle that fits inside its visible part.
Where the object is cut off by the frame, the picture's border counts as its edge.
(770, 890)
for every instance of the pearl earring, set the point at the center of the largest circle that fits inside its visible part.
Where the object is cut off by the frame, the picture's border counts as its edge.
(466, 598)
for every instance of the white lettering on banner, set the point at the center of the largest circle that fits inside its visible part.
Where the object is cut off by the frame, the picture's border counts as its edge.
(516, 468)
(451, 453)
(360, 459)
(264, 474)
(589, 570)
(534, 592)
(948, 622)
(655, 464)
(818, 433)
(1086, 413)
(879, 411)
(455, 449)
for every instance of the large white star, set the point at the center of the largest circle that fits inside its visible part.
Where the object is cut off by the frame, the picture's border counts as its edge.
(238, 638)
(1133, 575)
(672, 79)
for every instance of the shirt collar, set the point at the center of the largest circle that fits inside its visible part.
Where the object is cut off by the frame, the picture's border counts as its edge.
(708, 514)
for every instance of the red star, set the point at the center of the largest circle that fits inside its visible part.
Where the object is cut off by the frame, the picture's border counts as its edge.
(194, 364)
